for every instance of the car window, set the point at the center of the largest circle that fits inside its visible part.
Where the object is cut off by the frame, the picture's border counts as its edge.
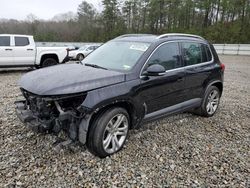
(204, 53)
(167, 55)
(195, 53)
(192, 53)
(209, 55)
(4, 41)
(21, 41)
(82, 48)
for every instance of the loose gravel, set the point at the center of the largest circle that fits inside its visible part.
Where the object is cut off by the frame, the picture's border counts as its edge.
(179, 151)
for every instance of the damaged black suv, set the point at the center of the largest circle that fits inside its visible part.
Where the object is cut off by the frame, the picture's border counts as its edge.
(126, 82)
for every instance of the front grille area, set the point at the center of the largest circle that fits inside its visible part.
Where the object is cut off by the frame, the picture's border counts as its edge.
(41, 107)
(54, 113)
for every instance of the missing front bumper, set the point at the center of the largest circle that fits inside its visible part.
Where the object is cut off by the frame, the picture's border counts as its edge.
(76, 131)
(28, 118)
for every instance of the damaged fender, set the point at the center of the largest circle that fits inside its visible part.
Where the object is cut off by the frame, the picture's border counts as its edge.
(96, 100)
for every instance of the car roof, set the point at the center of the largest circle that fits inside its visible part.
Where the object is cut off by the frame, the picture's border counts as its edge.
(16, 35)
(155, 38)
(88, 45)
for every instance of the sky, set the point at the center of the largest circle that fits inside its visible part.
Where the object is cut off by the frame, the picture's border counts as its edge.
(43, 9)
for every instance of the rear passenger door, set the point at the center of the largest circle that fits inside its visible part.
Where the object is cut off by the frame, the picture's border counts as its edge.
(6, 51)
(198, 66)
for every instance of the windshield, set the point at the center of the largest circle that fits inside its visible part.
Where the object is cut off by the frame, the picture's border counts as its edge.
(83, 48)
(117, 55)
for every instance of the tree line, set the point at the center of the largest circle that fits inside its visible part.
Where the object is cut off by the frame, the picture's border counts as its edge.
(220, 21)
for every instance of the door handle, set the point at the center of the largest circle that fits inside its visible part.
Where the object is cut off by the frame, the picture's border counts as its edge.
(8, 49)
(29, 49)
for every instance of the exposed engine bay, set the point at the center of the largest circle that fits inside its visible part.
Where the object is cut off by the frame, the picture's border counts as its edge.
(52, 113)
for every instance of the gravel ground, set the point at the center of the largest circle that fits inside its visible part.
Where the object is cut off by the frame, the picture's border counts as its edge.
(180, 151)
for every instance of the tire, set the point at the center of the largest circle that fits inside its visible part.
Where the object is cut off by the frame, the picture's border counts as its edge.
(80, 57)
(103, 138)
(210, 102)
(49, 62)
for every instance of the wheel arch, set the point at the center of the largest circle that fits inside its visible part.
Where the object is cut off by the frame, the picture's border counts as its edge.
(80, 54)
(217, 84)
(86, 124)
(50, 55)
(127, 105)
(77, 55)
(118, 95)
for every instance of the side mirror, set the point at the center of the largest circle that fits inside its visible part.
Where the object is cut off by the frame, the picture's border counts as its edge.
(155, 70)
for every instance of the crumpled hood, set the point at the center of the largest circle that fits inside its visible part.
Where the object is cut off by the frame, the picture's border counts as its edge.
(68, 79)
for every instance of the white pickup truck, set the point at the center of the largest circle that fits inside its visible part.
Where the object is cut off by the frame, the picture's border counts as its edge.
(21, 51)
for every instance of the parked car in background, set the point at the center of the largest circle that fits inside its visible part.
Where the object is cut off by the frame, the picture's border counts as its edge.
(126, 82)
(71, 47)
(21, 51)
(82, 52)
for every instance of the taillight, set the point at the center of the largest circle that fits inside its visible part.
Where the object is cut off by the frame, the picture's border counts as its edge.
(222, 66)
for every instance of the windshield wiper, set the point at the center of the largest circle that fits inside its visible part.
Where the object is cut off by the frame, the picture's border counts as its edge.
(95, 66)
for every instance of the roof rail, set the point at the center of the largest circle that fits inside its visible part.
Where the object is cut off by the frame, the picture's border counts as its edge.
(178, 35)
(134, 35)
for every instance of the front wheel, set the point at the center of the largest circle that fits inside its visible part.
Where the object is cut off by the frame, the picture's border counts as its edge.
(80, 57)
(109, 132)
(210, 102)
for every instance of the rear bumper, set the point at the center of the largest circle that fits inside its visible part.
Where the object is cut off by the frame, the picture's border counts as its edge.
(66, 59)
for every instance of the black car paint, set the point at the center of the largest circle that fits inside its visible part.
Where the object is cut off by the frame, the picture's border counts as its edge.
(58, 80)
(148, 96)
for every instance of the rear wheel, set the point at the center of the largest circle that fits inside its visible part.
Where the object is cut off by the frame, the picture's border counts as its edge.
(49, 62)
(109, 132)
(210, 102)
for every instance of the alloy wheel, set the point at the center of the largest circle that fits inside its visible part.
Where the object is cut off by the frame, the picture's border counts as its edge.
(213, 102)
(115, 133)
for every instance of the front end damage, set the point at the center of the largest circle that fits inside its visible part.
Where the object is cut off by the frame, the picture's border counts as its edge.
(52, 114)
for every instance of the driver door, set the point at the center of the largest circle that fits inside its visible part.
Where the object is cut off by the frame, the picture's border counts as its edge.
(159, 92)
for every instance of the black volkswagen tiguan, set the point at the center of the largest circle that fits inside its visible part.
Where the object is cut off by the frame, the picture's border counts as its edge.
(128, 81)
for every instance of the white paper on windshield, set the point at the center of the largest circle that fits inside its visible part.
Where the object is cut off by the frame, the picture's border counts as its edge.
(139, 47)
(126, 67)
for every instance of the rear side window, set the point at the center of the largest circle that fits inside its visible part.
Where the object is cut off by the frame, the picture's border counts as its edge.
(21, 41)
(204, 53)
(4, 41)
(167, 55)
(209, 55)
(195, 53)
(192, 53)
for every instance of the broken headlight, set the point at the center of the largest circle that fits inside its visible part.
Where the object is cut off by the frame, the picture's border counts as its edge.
(71, 102)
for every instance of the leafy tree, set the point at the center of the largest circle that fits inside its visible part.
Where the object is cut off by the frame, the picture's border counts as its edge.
(221, 21)
(86, 19)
